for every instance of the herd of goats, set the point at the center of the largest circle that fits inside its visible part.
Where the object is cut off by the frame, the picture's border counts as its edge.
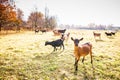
(79, 50)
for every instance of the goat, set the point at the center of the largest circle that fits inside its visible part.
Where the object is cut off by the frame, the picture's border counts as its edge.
(97, 35)
(43, 31)
(62, 31)
(65, 36)
(113, 33)
(56, 33)
(36, 30)
(108, 33)
(82, 50)
(56, 43)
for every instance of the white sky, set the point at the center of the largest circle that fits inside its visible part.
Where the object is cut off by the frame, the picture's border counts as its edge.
(78, 12)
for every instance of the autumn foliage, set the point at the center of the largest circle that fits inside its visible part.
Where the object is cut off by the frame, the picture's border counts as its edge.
(7, 16)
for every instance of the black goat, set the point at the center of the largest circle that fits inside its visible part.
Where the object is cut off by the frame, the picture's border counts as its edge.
(43, 31)
(108, 34)
(36, 30)
(56, 43)
(62, 31)
(113, 33)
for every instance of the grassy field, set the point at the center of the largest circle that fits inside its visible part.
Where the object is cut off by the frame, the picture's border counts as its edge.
(24, 56)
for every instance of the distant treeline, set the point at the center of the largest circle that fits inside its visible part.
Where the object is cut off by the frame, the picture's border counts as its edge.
(91, 27)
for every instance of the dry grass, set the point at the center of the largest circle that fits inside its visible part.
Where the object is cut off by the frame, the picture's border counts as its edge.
(24, 57)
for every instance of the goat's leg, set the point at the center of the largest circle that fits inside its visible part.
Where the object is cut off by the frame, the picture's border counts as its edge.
(100, 37)
(83, 60)
(91, 57)
(54, 49)
(94, 36)
(76, 66)
(63, 46)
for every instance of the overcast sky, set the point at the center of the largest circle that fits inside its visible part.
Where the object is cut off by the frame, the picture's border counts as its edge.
(78, 12)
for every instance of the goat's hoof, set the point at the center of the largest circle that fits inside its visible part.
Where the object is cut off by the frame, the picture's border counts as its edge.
(75, 73)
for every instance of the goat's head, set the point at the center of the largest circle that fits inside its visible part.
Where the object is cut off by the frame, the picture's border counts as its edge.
(76, 41)
(62, 37)
(46, 43)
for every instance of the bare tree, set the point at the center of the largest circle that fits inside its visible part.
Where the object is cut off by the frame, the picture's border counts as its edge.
(19, 21)
(35, 19)
(46, 23)
(52, 22)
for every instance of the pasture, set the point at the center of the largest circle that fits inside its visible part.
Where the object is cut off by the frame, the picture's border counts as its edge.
(24, 56)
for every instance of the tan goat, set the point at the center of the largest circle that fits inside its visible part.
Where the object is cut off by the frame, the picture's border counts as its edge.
(81, 50)
(97, 35)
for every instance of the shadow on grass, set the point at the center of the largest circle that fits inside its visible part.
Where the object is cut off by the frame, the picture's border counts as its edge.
(86, 74)
(54, 54)
(49, 56)
(99, 40)
(110, 37)
(57, 52)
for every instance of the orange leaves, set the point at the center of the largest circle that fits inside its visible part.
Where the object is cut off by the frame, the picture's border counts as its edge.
(12, 16)
(2, 7)
(7, 15)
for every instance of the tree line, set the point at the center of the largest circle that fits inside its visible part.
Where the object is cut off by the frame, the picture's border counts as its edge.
(12, 19)
(38, 20)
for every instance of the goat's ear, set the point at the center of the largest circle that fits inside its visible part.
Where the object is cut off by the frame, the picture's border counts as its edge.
(81, 39)
(72, 39)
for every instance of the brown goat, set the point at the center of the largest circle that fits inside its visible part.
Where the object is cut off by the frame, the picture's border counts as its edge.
(56, 33)
(97, 35)
(82, 50)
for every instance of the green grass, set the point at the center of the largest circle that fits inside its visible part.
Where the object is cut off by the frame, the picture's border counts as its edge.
(25, 57)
